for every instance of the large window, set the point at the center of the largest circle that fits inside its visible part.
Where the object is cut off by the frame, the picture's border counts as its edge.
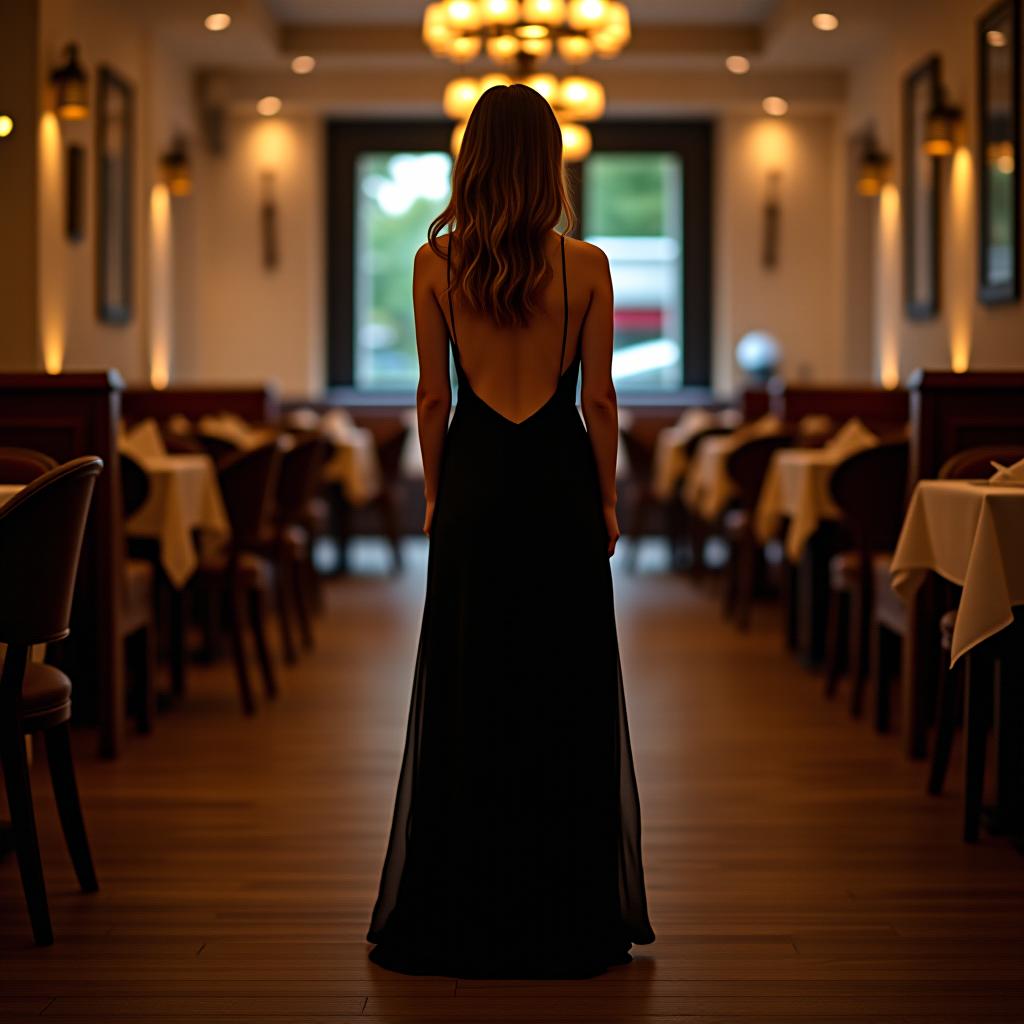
(643, 196)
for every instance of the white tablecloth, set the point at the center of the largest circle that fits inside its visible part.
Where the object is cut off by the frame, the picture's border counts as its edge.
(707, 488)
(973, 535)
(670, 458)
(8, 491)
(183, 496)
(796, 486)
(356, 467)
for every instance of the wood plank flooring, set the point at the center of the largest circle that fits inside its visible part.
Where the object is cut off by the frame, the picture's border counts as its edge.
(796, 869)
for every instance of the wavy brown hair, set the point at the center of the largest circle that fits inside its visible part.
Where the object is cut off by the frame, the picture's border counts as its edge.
(508, 192)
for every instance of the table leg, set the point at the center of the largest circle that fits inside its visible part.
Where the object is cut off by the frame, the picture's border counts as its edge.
(1008, 815)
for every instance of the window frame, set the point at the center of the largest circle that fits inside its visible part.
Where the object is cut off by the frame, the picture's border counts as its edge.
(690, 139)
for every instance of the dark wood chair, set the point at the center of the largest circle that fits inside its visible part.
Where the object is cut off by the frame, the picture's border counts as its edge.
(239, 577)
(289, 540)
(22, 465)
(138, 618)
(747, 467)
(868, 488)
(690, 526)
(41, 531)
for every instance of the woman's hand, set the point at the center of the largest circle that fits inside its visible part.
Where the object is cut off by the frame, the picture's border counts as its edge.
(611, 525)
(428, 518)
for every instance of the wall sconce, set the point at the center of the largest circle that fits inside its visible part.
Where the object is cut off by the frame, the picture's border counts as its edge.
(6, 125)
(874, 169)
(176, 169)
(942, 128)
(71, 88)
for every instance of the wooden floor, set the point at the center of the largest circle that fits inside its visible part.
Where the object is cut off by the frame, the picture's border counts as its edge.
(795, 867)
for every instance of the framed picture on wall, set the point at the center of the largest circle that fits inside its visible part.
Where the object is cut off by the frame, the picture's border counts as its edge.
(999, 175)
(115, 149)
(921, 93)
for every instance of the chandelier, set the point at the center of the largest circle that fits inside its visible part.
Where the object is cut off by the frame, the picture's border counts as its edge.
(519, 33)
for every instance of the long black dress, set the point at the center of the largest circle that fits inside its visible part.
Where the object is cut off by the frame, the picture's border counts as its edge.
(515, 844)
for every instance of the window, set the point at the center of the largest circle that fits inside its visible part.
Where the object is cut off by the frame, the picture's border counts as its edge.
(633, 210)
(643, 196)
(397, 196)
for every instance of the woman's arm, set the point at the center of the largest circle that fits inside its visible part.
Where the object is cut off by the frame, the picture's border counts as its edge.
(600, 408)
(434, 392)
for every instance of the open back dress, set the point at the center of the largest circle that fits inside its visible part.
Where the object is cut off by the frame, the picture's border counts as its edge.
(515, 843)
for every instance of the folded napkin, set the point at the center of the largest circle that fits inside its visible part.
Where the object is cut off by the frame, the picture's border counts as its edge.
(143, 441)
(1008, 474)
(227, 426)
(764, 426)
(303, 419)
(339, 426)
(851, 437)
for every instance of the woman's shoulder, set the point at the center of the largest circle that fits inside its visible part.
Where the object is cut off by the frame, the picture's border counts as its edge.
(586, 258)
(429, 260)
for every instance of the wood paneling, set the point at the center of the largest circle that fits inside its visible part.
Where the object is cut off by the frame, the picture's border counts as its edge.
(257, 402)
(883, 410)
(796, 869)
(66, 416)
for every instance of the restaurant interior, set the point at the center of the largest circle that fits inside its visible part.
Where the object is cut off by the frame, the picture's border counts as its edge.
(211, 499)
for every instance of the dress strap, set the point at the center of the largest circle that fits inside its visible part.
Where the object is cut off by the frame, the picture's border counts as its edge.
(565, 310)
(451, 309)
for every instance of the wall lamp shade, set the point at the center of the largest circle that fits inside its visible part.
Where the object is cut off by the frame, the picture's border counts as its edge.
(71, 88)
(873, 172)
(942, 130)
(176, 170)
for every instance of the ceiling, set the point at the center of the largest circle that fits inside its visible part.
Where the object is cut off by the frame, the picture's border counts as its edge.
(398, 12)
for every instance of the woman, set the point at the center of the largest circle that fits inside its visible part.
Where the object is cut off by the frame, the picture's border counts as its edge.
(515, 845)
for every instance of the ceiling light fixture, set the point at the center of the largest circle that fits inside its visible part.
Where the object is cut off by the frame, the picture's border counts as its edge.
(217, 22)
(303, 64)
(824, 21)
(269, 106)
(775, 106)
(737, 64)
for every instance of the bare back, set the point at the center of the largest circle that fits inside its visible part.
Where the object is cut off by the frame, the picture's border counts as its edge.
(515, 369)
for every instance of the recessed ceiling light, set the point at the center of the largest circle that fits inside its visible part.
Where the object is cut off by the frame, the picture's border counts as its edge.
(775, 106)
(217, 22)
(303, 65)
(6, 125)
(825, 22)
(269, 106)
(737, 64)
(995, 38)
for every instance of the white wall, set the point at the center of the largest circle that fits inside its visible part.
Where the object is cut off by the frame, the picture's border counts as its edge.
(798, 300)
(243, 321)
(965, 332)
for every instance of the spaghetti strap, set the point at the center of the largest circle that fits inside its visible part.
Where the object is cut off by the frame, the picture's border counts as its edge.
(565, 311)
(451, 309)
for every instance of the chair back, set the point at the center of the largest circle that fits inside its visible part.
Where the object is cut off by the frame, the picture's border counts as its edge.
(134, 486)
(869, 488)
(976, 463)
(247, 481)
(748, 464)
(691, 445)
(217, 448)
(41, 530)
(389, 456)
(22, 465)
(299, 479)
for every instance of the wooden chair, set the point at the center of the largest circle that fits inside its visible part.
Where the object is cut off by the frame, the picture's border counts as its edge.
(747, 467)
(690, 525)
(41, 530)
(868, 488)
(138, 619)
(22, 465)
(240, 576)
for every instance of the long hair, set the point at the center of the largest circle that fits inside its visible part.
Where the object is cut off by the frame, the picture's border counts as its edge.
(508, 192)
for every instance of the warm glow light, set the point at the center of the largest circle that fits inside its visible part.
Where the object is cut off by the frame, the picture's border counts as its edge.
(269, 106)
(457, 133)
(303, 64)
(575, 49)
(576, 143)
(460, 96)
(6, 125)
(161, 286)
(774, 106)
(737, 64)
(582, 98)
(502, 48)
(545, 84)
(548, 12)
(464, 47)
(1001, 156)
(825, 22)
(217, 22)
(436, 33)
(533, 32)
(959, 285)
(539, 48)
(493, 79)
(462, 14)
(53, 252)
(995, 38)
(889, 309)
(586, 14)
(500, 12)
